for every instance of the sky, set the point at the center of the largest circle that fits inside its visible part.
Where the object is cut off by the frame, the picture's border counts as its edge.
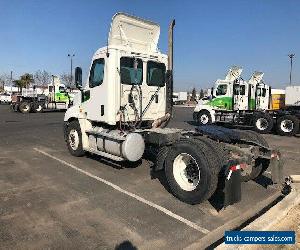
(210, 36)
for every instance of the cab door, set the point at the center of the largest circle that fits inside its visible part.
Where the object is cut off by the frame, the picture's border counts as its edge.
(240, 98)
(95, 96)
(262, 97)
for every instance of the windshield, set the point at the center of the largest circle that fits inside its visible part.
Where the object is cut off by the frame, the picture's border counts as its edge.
(156, 74)
(62, 89)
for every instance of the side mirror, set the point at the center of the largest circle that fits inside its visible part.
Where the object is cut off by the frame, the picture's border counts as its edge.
(78, 77)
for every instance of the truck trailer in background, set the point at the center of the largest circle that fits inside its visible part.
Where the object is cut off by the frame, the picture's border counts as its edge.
(180, 97)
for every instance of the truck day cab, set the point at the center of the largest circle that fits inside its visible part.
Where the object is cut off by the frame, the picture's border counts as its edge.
(122, 112)
(249, 103)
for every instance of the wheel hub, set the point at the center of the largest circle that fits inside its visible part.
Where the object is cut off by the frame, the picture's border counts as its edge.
(73, 139)
(186, 172)
(262, 124)
(204, 119)
(287, 126)
(39, 108)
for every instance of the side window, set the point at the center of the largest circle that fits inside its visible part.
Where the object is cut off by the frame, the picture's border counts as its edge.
(156, 74)
(221, 90)
(131, 70)
(97, 73)
(242, 89)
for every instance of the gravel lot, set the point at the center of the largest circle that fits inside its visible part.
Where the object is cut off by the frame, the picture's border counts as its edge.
(49, 199)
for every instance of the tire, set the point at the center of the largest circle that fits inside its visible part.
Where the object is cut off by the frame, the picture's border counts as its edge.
(25, 107)
(287, 125)
(217, 155)
(38, 108)
(204, 117)
(263, 123)
(260, 164)
(74, 139)
(190, 174)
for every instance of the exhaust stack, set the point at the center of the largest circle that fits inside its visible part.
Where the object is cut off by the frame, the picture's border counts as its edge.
(169, 82)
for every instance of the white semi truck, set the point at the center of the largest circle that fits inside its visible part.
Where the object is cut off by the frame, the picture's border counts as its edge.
(249, 103)
(122, 111)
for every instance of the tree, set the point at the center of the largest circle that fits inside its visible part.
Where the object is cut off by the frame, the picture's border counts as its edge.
(66, 79)
(24, 81)
(42, 78)
(194, 96)
(4, 80)
(201, 94)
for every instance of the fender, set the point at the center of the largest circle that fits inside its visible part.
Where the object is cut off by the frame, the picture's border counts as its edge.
(76, 112)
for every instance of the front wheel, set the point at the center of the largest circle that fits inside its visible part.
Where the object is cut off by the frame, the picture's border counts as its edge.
(25, 107)
(74, 139)
(287, 125)
(38, 108)
(189, 174)
(204, 117)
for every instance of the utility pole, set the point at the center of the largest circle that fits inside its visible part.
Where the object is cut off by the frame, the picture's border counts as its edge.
(11, 81)
(291, 60)
(71, 75)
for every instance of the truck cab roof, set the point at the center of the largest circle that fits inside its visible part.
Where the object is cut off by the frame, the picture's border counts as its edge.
(136, 36)
(134, 33)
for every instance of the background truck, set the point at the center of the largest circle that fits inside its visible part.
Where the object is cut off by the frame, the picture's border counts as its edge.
(180, 97)
(55, 97)
(5, 98)
(250, 103)
(123, 110)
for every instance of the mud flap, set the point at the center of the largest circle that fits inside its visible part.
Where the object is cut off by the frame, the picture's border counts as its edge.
(276, 168)
(232, 190)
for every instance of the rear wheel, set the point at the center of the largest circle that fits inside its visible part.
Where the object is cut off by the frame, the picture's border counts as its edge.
(189, 173)
(204, 117)
(263, 123)
(74, 139)
(25, 107)
(287, 125)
